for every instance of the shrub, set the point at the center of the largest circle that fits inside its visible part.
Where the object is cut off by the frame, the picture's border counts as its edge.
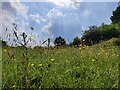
(59, 41)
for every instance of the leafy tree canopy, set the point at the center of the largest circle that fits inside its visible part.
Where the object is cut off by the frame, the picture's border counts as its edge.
(59, 41)
(116, 15)
(76, 41)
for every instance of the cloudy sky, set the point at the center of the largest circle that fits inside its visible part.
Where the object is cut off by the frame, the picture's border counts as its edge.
(52, 19)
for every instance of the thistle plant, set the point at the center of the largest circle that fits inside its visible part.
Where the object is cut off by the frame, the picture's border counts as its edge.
(21, 40)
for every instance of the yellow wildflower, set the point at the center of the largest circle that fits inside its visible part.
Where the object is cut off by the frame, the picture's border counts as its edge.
(80, 45)
(59, 78)
(80, 48)
(113, 54)
(40, 65)
(32, 65)
(83, 47)
(5, 50)
(52, 59)
(93, 60)
(87, 46)
(66, 60)
(14, 86)
(98, 53)
(83, 40)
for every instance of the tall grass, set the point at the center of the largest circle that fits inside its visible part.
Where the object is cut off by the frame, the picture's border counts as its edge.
(84, 67)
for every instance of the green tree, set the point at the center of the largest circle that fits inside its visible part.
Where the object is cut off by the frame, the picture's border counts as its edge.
(105, 32)
(116, 15)
(92, 35)
(76, 41)
(3, 43)
(59, 41)
(110, 31)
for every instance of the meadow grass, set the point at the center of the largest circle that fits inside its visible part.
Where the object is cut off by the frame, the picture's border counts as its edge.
(84, 67)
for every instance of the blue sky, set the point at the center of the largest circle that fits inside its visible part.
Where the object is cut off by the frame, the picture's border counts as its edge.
(52, 19)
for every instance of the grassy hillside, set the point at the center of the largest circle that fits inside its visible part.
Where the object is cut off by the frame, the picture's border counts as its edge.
(94, 67)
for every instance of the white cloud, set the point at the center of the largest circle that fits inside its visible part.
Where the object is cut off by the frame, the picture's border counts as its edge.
(46, 28)
(34, 40)
(15, 7)
(20, 8)
(7, 19)
(62, 4)
(86, 13)
(75, 4)
(51, 15)
(54, 12)
(13, 12)
(68, 3)
(37, 18)
(7, 22)
(67, 27)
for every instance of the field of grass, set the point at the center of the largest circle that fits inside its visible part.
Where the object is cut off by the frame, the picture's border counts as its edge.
(84, 67)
